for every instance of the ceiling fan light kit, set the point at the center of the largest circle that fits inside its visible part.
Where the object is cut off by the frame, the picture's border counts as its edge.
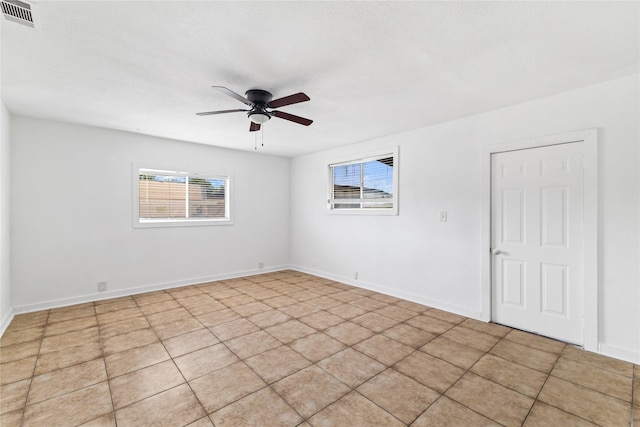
(262, 107)
(259, 118)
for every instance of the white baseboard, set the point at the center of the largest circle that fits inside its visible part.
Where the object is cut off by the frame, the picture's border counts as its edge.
(393, 292)
(6, 320)
(98, 296)
(604, 349)
(619, 353)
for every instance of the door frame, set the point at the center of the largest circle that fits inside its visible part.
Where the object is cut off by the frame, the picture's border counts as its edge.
(589, 137)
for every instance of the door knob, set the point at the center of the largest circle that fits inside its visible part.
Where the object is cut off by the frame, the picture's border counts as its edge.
(496, 251)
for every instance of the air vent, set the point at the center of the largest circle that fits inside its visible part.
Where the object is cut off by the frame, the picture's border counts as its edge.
(17, 11)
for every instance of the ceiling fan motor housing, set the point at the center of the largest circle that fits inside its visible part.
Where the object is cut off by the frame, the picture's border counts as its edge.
(260, 98)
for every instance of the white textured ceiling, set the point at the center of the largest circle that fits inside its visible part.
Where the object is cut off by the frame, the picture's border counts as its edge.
(370, 68)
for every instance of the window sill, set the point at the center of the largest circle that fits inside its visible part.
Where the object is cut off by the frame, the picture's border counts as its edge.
(181, 223)
(373, 211)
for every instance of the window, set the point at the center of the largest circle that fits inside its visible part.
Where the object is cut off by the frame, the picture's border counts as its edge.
(365, 185)
(169, 198)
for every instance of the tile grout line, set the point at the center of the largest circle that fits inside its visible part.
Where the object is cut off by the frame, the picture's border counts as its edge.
(634, 384)
(136, 370)
(418, 349)
(155, 364)
(270, 385)
(436, 335)
(575, 384)
(443, 394)
(535, 399)
(323, 331)
(267, 384)
(104, 361)
(374, 403)
(468, 370)
(241, 360)
(26, 399)
(69, 392)
(174, 364)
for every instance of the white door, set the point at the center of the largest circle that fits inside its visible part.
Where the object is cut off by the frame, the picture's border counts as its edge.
(537, 240)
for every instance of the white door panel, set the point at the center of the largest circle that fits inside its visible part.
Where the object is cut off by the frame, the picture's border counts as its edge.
(537, 240)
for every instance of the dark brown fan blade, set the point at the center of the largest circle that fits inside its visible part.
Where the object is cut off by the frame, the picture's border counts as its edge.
(232, 94)
(209, 113)
(292, 118)
(254, 127)
(288, 100)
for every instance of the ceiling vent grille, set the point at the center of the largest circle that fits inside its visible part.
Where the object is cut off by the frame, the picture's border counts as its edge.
(17, 11)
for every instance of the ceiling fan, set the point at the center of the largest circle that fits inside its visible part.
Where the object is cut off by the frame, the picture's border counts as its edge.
(261, 106)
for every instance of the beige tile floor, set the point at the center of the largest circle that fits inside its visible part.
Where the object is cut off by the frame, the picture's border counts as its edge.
(292, 349)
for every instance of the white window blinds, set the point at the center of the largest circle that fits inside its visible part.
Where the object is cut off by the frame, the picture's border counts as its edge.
(363, 184)
(167, 196)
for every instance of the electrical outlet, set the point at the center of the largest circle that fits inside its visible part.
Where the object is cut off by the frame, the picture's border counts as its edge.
(102, 286)
(443, 216)
(355, 275)
(261, 265)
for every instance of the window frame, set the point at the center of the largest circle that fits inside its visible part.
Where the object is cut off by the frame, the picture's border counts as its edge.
(179, 222)
(363, 158)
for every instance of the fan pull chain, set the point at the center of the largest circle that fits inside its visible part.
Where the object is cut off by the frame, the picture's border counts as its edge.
(255, 138)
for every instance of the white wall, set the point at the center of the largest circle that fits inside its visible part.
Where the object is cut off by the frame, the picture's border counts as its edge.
(72, 215)
(415, 256)
(5, 210)
(71, 220)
